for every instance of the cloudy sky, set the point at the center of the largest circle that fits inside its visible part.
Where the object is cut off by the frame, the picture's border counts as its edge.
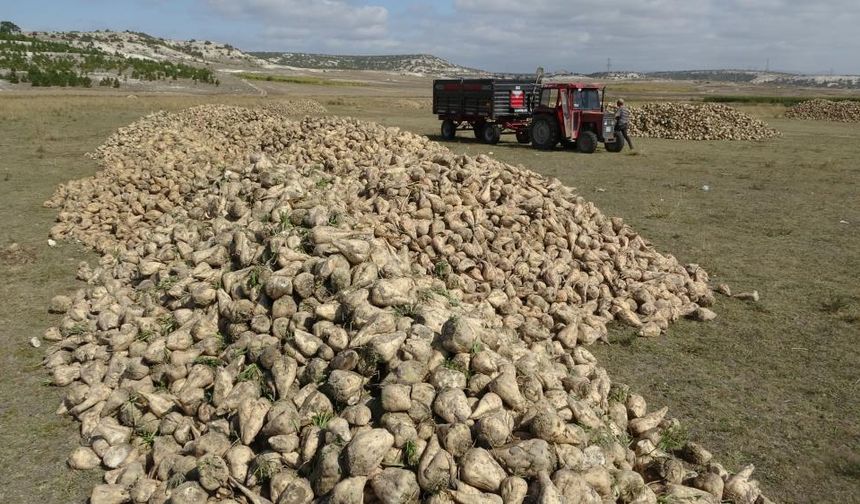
(502, 35)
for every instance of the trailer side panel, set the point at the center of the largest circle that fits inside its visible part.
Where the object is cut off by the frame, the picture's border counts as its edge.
(482, 99)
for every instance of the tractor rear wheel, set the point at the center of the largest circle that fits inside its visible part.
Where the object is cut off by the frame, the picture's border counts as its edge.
(523, 136)
(616, 146)
(544, 132)
(449, 129)
(587, 142)
(491, 134)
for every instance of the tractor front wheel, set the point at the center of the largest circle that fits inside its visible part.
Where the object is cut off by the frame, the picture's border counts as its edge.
(616, 146)
(587, 142)
(491, 134)
(544, 132)
(449, 129)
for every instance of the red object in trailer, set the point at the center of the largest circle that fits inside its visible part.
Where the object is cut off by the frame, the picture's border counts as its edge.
(518, 99)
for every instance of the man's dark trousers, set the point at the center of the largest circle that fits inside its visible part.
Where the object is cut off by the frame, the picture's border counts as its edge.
(621, 133)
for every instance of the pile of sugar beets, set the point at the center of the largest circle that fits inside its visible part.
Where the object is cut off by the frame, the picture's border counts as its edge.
(696, 121)
(826, 110)
(333, 311)
(295, 107)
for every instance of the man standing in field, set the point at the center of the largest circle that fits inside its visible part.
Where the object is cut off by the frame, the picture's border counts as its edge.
(622, 122)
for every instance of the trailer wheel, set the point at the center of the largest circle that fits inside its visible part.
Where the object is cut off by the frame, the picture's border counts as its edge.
(523, 136)
(478, 129)
(491, 134)
(616, 146)
(449, 129)
(587, 142)
(544, 132)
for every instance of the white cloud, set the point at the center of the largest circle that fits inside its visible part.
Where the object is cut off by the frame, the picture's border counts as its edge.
(312, 24)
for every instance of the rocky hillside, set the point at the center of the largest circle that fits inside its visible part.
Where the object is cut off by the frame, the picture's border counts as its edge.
(141, 45)
(42, 60)
(409, 63)
(763, 77)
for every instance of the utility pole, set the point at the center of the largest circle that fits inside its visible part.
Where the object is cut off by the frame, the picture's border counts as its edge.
(608, 65)
(767, 66)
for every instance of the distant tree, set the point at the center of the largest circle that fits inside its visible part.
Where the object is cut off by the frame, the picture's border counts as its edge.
(9, 27)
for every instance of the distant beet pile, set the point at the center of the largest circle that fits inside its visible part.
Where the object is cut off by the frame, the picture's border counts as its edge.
(826, 110)
(701, 121)
(329, 310)
(296, 107)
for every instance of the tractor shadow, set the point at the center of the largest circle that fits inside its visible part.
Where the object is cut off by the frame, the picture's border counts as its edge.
(513, 144)
(503, 143)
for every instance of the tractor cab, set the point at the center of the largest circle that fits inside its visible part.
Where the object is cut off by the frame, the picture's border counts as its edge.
(572, 113)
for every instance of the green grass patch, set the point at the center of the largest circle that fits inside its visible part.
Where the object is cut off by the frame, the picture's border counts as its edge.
(322, 419)
(410, 454)
(299, 79)
(209, 361)
(409, 310)
(167, 323)
(457, 366)
(255, 277)
(147, 438)
(673, 438)
(441, 269)
(265, 469)
(250, 373)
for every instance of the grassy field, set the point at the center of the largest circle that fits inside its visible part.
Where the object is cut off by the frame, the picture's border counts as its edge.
(773, 383)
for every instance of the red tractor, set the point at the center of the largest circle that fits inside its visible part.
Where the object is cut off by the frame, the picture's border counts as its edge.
(572, 113)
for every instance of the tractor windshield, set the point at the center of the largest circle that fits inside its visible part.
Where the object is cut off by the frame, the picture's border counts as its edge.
(586, 99)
